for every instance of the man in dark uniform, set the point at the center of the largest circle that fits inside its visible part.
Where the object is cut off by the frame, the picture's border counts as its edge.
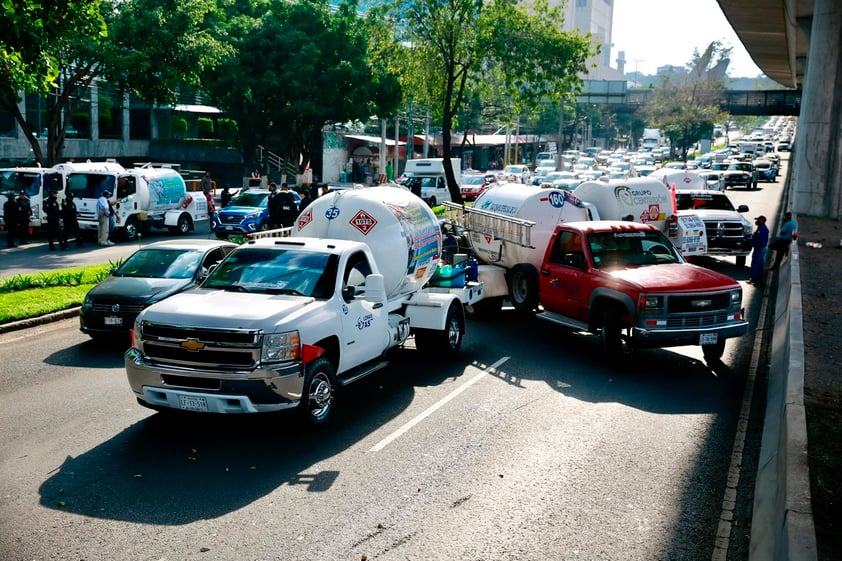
(274, 204)
(24, 216)
(52, 210)
(289, 208)
(10, 217)
(71, 220)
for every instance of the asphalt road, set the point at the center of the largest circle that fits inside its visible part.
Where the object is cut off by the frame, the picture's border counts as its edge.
(527, 447)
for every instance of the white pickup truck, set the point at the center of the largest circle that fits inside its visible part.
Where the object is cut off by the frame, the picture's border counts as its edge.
(283, 321)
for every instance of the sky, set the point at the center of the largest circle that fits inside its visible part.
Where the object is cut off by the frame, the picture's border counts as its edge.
(655, 33)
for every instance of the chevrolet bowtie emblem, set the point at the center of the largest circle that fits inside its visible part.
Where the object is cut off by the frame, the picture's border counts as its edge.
(192, 345)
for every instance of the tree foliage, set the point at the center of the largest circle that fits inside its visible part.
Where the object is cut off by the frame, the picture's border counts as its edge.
(442, 51)
(687, 107)
(295, 67)
(145, 47)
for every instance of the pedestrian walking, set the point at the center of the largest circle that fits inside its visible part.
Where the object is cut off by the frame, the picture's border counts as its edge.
(289, 208)
(759, 240)
(70, 219)
(780, 245)
(52, 211)
(207, 183)
(24, 217)
(226, 196)
(103, 213)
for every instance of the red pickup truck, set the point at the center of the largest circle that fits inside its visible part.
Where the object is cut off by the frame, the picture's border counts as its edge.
(627, 283)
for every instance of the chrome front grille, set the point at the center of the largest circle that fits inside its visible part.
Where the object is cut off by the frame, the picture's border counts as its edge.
(724, 229)
(117, 307)
(199, 346)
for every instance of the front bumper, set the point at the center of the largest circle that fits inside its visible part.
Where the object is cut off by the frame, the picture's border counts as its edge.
(261, 390)
(656, 338)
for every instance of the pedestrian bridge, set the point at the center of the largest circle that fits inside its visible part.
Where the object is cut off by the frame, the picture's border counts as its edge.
(735, 102)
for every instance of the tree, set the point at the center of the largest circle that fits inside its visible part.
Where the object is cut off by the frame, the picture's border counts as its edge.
(686, 108)
(294, 68)
(145, 47)
(442, 49)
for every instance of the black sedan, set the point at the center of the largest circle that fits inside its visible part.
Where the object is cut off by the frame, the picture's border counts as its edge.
(149, 275)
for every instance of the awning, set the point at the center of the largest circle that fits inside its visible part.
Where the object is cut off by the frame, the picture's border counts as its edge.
(373, 139)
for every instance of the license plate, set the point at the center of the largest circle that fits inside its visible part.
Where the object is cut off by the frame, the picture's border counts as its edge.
(708, 338)
(113, 320)
(228, 227)
(192, 403)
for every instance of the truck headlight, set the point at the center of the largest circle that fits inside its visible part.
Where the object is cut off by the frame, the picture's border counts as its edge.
(280, 347)
(649, 303)
(736, 299)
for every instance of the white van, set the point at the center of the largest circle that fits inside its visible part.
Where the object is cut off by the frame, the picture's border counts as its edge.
(426, 178)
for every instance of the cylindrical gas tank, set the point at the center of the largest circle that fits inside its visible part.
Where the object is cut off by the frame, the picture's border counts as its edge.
(545, 207)
(402, 231)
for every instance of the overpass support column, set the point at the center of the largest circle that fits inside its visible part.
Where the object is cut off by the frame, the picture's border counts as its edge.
(818, 147)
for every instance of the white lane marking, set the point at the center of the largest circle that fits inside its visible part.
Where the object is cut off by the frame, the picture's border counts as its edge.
(433, 408)
(729, 501)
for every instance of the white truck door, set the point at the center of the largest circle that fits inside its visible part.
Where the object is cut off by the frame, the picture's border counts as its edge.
(365, 329)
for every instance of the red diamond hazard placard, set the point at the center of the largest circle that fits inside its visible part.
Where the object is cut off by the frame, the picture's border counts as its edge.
(363, 222)
(305, 219)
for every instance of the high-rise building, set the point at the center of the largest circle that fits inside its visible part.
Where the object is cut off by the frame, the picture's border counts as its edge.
(595, 17)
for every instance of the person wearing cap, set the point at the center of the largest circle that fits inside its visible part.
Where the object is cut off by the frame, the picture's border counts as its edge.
(24, 216)
(103, 214)
(52, 210)
(759, 240)
(780, 245)
(10, 218)
(70, 218)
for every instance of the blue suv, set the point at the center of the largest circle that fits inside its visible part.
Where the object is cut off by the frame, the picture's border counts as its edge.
(248, 213)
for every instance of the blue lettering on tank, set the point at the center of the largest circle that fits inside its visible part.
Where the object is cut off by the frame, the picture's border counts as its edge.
(332, 213)
(556, 199)
(364, 322)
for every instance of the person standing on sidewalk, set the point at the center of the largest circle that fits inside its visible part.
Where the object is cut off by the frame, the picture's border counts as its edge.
(52, 210)
(103, 214)
(24, 216)
(780, 245)
(70, 218)
(10, 217)
(759, 240)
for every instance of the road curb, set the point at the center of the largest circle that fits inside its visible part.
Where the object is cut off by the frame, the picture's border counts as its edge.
(40, 320)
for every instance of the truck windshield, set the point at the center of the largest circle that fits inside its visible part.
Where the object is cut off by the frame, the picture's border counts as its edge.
(16, 181)
(276, 271)
(617, 250)
(706, 201)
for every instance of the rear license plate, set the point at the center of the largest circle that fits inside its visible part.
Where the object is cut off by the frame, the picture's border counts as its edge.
(192, 403)
(708, 338)
(113, 320)
(228, 227)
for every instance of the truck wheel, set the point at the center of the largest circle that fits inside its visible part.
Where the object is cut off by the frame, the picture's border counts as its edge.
(523, 287)
(741, 260)
(182, 226)
(131, 228)
(446, 342)
(432, 202)
(609, 333)
(319, 392)
(714, 352)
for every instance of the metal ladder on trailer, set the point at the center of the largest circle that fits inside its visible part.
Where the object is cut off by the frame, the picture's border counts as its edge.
(492, 224)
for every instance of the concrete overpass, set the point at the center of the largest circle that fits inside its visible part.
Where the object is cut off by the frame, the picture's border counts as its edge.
(798, 43)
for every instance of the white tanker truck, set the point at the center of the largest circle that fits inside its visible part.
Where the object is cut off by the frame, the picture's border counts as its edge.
(285, 320)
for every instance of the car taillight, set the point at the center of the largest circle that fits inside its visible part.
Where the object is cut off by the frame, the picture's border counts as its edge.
(672, 226)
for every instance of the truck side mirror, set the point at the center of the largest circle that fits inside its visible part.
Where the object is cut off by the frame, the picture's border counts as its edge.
(375, 289)
(742, 208)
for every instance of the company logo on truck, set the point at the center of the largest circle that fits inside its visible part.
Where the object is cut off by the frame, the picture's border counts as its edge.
(363, 222)
(642, 197)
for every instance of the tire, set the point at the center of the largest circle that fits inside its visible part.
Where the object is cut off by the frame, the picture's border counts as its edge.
(609, 334)
(264, 226)
(131, 229)
(448, 341)
(714, 352)
(182, 226)
(523, 287)
(221, 236)
(741, 260)
(432, 202)
(319, 392)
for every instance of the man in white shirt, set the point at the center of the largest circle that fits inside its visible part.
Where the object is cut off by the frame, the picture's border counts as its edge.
(103, 212)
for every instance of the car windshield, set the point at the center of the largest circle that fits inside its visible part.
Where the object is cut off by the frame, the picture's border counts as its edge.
(161, 263)
(276, 271)
(706, 201)
(473, 180)
(618, 250)
(251, 199)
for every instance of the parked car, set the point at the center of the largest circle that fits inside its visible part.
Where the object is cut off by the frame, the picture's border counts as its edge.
(248, 213)
(149, 275)
(517, 173)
